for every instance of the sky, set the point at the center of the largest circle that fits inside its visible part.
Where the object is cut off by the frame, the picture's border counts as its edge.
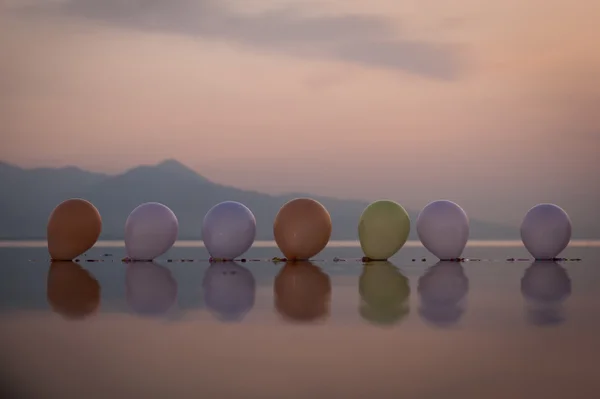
(492, 104)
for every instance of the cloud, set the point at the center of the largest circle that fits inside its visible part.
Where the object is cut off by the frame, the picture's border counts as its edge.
(359, 39)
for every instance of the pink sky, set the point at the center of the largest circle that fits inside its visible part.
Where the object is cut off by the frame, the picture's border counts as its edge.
(413, 100)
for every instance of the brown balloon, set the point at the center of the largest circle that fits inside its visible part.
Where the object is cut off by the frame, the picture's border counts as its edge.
(302, 228)
(302, 292)
(73, 228)
(72, 291)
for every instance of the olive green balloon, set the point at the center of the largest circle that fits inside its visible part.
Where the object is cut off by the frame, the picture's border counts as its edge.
(384, 292)
(383, 229)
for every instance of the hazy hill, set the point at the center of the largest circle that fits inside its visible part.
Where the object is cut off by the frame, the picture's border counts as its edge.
(29, 195)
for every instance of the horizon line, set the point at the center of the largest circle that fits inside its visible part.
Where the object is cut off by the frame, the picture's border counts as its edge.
(271, 244)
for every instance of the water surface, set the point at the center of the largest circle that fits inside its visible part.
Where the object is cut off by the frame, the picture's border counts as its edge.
(181, 328)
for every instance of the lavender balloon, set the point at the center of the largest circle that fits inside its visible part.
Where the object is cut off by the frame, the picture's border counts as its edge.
(443, 228)
(228, 230)
(546, 231)
(150, 231)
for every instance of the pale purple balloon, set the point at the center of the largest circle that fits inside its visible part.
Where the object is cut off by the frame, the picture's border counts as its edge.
(443, 228)
(546, 231)
(150, 231)
(228, 230)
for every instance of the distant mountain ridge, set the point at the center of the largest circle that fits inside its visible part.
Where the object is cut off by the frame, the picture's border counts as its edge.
(30, 195)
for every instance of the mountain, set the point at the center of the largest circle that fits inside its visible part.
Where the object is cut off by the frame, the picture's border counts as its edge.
(30, 195)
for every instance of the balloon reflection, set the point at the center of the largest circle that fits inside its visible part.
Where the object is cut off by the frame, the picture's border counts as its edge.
(442, 292)
(72, 291)
(384, 293)
(150, 288)
(229, 291)
(545, 286)
(302, 292)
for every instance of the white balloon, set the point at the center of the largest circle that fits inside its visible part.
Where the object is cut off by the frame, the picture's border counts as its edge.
(443, 228)
(228, 230)
(150, 288)
(150, 231)
(546, 231)
(229, 290)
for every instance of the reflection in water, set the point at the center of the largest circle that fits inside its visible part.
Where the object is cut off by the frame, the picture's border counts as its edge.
(150, 288)
(229, 291)
(545, 286)
(442, 292)
(72, 291)
(384, 293)
(302, 292)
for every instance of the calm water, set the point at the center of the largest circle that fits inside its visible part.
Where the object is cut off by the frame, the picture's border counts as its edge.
(414, 329)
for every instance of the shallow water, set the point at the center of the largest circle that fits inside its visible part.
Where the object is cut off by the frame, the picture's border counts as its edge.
(415, 329)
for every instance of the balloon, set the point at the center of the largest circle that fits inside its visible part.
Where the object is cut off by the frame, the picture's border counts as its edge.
(443, 228)
(384, 293)
(228, 230)
(150, 288)
(302, 228)
(229, 290)
(546, 231)
(72, 291)
(383, 229)
(73, 228)
(150, 231)
(442, 290)
(302, 292)
(545, 286)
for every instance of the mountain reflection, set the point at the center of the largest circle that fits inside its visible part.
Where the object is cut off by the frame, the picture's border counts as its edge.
(442, 292)
(150, 288)
(229, 291)
(302, 292)
(72, 291)
(545, 286)
(384, 293)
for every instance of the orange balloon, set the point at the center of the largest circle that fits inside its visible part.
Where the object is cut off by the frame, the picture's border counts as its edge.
(302, 292)
(73, 228)
(72, 291)
(302, 228)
